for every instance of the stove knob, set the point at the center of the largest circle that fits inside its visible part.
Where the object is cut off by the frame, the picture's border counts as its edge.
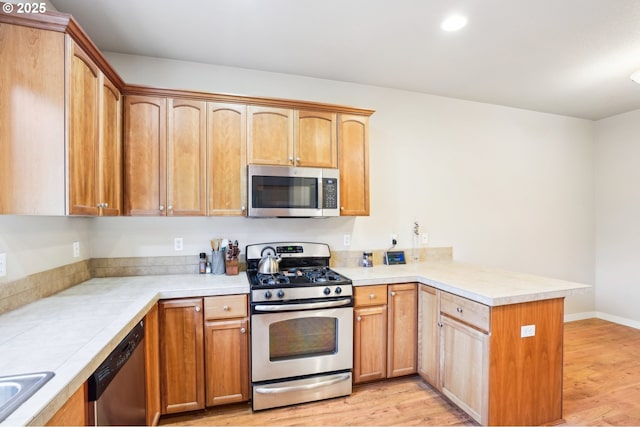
(280, 293)
(327, 290)
(267, 294)
(338, 290)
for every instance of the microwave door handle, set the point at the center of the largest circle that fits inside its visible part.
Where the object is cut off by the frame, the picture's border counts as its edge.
(320, 192)
(303, 306)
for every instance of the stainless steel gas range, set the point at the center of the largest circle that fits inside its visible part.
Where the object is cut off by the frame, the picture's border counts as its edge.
(302, 325)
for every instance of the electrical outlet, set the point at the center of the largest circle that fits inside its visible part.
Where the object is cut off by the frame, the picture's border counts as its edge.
(347, 240)
(424, 238)
(177, 244)
(527, 331)
(3, 265)
(76, 249)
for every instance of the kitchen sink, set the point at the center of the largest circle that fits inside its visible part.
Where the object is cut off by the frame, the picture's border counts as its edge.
(15, 389)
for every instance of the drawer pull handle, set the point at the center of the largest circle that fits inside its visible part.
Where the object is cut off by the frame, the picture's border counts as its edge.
(459, 309)
(372, 296)
(225, 308)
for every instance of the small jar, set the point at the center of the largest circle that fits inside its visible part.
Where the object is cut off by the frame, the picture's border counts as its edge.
(367, 259)
(202, 266)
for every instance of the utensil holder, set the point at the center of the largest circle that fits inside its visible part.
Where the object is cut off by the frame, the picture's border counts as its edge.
(232, 267)
(217, 262)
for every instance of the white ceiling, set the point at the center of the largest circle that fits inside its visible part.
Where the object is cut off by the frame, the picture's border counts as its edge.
(570, 57)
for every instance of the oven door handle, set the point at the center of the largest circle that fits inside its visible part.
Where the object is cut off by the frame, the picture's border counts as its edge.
(303, 306)
(295, 388)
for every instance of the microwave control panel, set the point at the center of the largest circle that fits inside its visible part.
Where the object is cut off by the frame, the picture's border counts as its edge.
(330, 193)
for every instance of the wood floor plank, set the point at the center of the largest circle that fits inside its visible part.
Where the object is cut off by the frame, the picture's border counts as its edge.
(601, 387)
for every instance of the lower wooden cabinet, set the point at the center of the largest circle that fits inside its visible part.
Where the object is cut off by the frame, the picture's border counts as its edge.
(74, 412)
(477, 357)
(226, 349)
(204, 352)
(385, 331)
(181, 355)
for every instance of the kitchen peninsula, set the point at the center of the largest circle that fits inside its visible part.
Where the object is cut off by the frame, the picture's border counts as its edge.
(523, 375)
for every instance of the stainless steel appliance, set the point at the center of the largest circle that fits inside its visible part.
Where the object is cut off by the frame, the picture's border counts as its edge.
(302, 326)
(117, 387)
(288, 191)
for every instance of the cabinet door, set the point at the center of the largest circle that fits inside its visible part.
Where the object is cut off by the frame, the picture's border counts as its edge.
(464, 367)
(110, 149)
(83, 133)
(428, 334)
(226, 159)
(316, 144)
(181, 355)
(353, 160)
(370, 344)
(403, 329)
(270, 136)
(186, 157)
(145, 155)
(227, 361)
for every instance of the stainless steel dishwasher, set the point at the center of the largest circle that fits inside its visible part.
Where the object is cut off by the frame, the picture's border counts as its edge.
(117, 387)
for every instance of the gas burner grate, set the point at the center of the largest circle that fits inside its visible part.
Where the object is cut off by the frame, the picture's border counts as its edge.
(272, 279)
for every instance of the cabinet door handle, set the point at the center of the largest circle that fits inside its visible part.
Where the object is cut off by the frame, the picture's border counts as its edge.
(297, 159)
(161, 208)
(243, 330)
(169, 207)
(393, 294)
(459, 309)
(440, 324)
(358, 318)
(105, 205)
(197, 309)
(243, 208)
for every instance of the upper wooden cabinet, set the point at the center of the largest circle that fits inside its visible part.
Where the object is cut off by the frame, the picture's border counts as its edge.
(145, 151)
(110, 149)
(353, 161)
(270, 136)
(286, 137)
(165, 148)
(32, 117)
(316, 139)
(226, 159)
(94, 141)
(186, 157)
(84, 89)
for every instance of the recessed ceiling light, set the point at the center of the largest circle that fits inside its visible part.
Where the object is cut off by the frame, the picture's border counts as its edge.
(636, 76)
(454, 23)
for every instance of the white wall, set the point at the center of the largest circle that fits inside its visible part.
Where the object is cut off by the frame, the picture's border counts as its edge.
(505, 187)
(618, 218)
(39, 243)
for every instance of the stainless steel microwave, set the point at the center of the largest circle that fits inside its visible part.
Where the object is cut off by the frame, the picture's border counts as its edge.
(289, 191)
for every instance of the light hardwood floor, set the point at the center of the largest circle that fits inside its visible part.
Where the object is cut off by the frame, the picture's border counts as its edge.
(601, 387)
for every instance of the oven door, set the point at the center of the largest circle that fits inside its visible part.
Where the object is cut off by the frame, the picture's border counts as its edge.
(302, 342)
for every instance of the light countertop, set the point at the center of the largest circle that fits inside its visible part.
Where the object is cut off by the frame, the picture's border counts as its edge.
(488, 286)
(72, 332)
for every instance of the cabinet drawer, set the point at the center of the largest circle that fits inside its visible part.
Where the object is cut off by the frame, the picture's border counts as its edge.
(370, 295)
(470, 312)
(224, 307)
